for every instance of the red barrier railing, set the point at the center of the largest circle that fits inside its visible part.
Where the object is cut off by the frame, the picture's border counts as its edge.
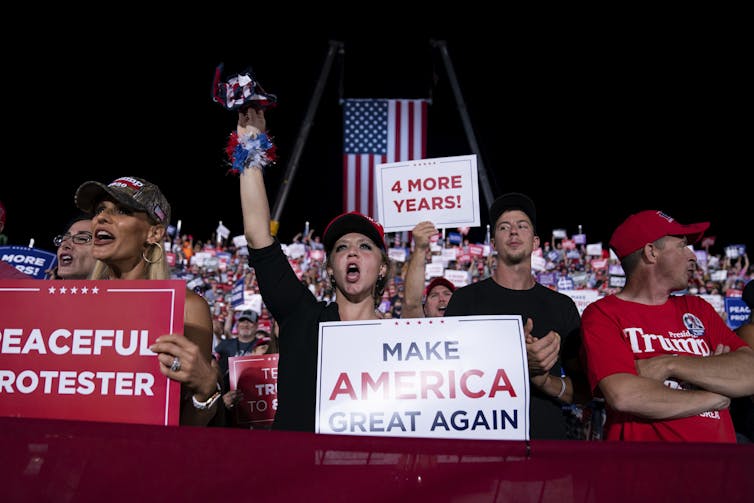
(48, 460)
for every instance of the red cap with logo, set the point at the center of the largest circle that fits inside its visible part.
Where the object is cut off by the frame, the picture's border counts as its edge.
(649, 226)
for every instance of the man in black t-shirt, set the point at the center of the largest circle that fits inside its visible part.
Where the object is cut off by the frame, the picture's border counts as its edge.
(513, 290)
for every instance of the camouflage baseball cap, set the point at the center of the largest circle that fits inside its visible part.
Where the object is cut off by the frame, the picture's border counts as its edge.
(131, 192)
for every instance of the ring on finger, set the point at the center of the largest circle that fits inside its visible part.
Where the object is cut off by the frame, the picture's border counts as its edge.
(176, 366)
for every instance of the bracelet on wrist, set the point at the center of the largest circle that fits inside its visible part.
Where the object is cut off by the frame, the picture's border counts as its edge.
(562, 388)
(209, 402)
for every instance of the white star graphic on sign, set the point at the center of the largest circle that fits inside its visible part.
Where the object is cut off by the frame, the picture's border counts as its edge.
(51, 290)
(95, 290)
(84, 290)
(74, 290)
(62, 290)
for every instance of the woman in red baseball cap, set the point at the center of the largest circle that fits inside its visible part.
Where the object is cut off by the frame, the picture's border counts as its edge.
(356, 263)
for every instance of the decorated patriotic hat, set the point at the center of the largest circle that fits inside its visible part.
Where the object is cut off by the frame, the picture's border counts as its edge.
(239, 90)
(131, 192)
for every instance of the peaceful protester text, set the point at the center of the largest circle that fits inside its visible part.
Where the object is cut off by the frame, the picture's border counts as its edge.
(80, 350)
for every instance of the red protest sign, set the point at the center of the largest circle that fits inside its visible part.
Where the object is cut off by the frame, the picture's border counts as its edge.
(257, 377)
(79, 349)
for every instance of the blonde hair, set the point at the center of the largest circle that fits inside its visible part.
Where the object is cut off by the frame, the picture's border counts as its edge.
(156, 268)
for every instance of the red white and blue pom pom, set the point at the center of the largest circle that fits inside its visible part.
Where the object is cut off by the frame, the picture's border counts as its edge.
(250, 151)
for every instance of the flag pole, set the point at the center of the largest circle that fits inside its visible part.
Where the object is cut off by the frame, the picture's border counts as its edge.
(290, 170)
(486, 191)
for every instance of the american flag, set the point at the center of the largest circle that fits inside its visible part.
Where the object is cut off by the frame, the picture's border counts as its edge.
(377, 131)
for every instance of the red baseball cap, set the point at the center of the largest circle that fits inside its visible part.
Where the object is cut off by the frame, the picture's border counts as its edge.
(439, 280)
(649, 226)
(353, 222)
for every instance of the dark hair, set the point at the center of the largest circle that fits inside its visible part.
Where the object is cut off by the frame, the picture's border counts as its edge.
(78, 218)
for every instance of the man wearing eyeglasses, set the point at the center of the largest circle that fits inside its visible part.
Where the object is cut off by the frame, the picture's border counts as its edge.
(75, 259)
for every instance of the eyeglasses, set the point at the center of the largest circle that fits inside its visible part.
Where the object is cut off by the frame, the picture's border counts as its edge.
(80, 238)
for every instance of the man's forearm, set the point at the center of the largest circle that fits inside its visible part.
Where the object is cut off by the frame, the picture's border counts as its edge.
(730, 374)
(651, 399)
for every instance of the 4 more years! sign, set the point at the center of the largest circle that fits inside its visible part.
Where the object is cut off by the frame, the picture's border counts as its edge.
(80, 349)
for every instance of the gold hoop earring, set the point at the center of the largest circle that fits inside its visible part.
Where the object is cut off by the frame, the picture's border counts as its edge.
(144, 254)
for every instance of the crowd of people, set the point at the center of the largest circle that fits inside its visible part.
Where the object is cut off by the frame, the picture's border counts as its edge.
(347, 275)
(646, 357)
(554, 359)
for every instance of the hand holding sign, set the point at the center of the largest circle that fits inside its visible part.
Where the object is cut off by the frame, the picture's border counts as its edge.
(181, 360)
(422, 234)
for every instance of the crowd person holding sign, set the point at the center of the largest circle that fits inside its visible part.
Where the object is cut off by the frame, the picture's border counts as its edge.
(241, 345)
(513, 290)
(356, 263)
(75, 260)
(130, 219)
(666, 364)
(746, 331)
(742, 408)
(438, 292)
(437, 296)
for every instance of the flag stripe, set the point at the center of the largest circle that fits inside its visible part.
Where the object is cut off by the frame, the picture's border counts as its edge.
(392, 138)
(411, 131)
(365, 169)
(377, 131)
(420, 128)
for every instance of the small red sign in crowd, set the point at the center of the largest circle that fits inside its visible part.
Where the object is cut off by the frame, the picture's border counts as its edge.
(256, 376)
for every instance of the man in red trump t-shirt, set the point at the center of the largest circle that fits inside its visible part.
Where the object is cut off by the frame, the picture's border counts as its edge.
(666, 364)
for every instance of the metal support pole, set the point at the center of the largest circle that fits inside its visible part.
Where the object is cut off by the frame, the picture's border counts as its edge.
(486, 191)
(290, 170)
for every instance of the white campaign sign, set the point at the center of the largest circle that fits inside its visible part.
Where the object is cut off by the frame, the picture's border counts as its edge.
(458, 278)
(582, 298)
(456, 377)
(443, 190)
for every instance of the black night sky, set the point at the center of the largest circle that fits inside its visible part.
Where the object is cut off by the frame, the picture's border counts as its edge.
(593, 123)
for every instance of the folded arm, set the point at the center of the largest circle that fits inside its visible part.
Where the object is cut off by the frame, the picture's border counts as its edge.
(730, 374)
(651, 399)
